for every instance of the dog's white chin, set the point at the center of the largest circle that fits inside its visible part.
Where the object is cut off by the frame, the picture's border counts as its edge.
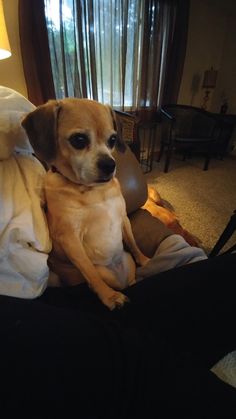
(95, 179)
(104, 180)
(80, 178)
(92, 182)
(98, 182)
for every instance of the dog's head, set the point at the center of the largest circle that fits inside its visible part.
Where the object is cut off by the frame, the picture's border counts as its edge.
(77, 136)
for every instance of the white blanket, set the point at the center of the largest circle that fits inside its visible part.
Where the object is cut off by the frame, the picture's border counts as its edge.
(24, 236)
(174, 251)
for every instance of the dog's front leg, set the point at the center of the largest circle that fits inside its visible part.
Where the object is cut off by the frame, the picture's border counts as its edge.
(77, 255)
(129, 239)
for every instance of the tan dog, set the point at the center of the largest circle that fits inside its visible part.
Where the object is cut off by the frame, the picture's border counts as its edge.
(85, 208)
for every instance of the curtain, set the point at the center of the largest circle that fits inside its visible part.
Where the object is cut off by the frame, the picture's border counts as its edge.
(35, 51)
(122, 52)
(176, 50)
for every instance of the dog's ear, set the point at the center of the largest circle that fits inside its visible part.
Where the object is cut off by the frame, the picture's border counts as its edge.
(120, 144)
(41, 128)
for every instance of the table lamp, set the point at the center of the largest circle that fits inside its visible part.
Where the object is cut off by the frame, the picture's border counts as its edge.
(209, 82)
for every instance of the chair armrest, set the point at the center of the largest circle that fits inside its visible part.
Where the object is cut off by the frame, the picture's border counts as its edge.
(163, 112)
(148, 231)
(168, 132)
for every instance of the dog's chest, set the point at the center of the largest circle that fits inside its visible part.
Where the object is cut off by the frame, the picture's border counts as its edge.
(94, 216)
(101, 229)
(105, 216)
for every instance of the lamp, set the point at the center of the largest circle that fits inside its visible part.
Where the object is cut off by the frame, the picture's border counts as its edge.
(209, 82)
(5, 50)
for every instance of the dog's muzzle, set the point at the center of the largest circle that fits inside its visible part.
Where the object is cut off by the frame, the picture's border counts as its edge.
(106, 166)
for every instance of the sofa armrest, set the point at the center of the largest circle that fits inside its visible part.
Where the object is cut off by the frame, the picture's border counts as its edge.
(132, 180)
(148, 231)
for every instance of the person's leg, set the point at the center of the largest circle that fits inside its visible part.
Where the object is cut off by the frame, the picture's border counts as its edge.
(193, 307)
(193, 310)
(59, 362)
(138, 361)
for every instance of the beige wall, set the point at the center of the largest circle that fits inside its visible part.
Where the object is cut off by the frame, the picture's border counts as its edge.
(11, 69)
(211, 42)
(226, 83)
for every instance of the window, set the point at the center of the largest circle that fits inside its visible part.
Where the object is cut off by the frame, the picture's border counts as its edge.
(154, 55)
(113, 51)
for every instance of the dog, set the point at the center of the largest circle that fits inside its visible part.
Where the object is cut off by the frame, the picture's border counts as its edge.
(86, 210)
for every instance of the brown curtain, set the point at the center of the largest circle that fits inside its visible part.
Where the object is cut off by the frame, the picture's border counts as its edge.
(176, 52)
(35, 51)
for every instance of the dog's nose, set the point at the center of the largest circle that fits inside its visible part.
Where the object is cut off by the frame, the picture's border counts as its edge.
(106, 165)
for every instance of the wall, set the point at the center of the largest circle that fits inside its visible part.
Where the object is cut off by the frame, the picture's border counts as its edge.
(11, 69)
(226, 83)
(211, 42)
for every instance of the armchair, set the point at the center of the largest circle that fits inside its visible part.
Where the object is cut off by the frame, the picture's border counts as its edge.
(189, 129)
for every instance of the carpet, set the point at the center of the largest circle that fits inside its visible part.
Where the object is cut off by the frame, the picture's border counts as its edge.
(203, 200)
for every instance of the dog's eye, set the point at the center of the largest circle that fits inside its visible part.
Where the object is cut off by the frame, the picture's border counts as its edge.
(112, 141)
(79, 141)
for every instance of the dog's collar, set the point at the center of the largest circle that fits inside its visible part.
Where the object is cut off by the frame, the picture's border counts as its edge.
(85, 187)
(55, 170)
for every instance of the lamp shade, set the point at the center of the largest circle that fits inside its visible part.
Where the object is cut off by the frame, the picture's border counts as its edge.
(5, 50)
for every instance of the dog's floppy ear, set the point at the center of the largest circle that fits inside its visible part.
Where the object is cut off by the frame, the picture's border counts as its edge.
(120, 144)
(41, 128)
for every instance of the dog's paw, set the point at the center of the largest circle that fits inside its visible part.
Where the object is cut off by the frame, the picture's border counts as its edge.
(115, 300)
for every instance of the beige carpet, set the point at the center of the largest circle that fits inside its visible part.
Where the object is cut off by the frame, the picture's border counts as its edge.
(203, 200)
